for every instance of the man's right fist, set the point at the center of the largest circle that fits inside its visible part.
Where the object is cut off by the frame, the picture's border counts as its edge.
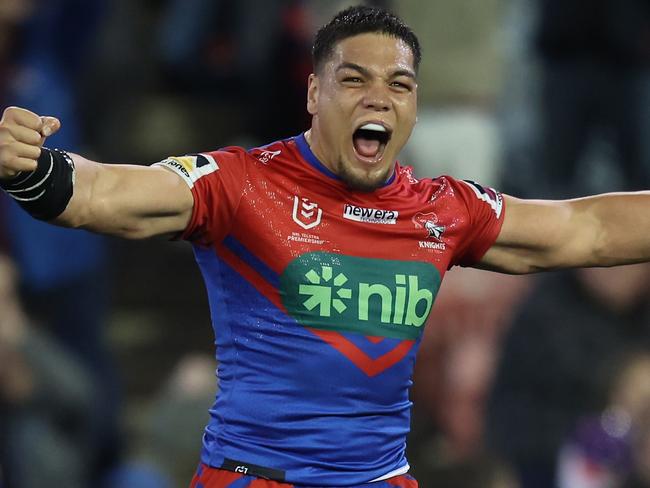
(22, 133)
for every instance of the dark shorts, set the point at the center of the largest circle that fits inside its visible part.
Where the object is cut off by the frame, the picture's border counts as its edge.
(207, 477)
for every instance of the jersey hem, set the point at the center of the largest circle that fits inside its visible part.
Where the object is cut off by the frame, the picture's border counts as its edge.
(391, 474)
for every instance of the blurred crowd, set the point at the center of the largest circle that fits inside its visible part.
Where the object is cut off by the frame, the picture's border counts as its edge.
(521, 382)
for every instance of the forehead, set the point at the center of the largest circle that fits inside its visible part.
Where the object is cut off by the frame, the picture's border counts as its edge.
(373, 50)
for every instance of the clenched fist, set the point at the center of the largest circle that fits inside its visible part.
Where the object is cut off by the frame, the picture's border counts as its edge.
(22, 133)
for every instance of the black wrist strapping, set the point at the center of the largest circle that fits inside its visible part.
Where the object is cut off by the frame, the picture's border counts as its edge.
(45, 192)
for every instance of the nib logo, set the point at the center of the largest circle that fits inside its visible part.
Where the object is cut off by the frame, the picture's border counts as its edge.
(370, 296)
(321, 294)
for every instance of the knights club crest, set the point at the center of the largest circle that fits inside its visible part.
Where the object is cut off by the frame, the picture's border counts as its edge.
(429, 222)
(306, 214)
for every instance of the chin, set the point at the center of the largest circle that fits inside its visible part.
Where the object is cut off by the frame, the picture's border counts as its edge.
(363, 182)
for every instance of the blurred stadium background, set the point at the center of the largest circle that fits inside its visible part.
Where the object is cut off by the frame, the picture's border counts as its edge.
(106, 360)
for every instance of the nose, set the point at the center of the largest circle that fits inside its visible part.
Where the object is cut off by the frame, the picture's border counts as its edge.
(376, 98)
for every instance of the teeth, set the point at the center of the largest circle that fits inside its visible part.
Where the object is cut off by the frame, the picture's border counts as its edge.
(373, 126)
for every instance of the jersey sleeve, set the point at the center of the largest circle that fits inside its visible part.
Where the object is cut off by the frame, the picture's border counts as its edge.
(216, 180)
(486, 209)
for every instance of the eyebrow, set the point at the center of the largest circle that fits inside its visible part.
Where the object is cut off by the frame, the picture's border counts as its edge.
(366, 72)
(404, 72)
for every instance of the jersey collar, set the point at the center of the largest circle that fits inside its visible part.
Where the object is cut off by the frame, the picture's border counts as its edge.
(310, 157)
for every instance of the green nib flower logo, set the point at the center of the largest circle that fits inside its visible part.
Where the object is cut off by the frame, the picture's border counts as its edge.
(320, 291)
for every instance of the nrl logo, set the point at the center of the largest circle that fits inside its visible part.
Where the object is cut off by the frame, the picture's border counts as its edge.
(429, 222)
(306, 213)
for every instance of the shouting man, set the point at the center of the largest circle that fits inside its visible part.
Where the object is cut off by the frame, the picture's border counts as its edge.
(322, 257)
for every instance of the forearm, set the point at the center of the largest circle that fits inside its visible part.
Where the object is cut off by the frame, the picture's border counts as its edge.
(623, 227)
(601, 230)
(125, 201)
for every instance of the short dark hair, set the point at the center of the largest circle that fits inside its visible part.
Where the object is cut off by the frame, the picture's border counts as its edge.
(360, 20)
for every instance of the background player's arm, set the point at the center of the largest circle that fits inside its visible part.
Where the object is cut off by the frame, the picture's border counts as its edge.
(602, 230)
(122, 200)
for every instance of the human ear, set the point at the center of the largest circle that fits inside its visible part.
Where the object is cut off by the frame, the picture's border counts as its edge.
(312, 94)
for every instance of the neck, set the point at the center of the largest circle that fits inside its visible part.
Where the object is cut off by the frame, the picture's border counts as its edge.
(315, 144)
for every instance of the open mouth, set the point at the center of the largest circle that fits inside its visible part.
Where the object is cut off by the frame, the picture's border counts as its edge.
(370, 140)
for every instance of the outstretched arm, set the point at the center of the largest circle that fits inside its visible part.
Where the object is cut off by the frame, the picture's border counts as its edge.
(601, 230)
(123, 200)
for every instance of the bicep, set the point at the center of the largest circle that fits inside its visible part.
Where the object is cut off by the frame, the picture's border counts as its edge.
(127, 200)
(540, 235)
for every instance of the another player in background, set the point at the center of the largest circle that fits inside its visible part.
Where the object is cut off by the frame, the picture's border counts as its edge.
(322, 257)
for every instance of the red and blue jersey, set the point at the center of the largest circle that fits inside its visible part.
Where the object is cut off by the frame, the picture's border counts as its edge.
(319, 296)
